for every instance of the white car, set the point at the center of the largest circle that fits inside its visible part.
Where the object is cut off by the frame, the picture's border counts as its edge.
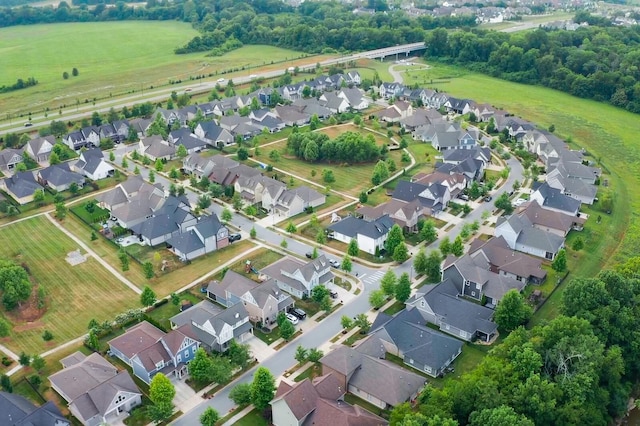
(220, 80)
(334, 263)
(519, 202)
(252, 76)
(292, 319)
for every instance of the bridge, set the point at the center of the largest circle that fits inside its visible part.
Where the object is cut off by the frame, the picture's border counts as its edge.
(394, 50)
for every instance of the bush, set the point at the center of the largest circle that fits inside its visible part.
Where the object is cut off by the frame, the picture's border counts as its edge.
(47, 336)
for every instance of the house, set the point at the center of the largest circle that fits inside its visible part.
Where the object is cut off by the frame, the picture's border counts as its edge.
(312, 107)
(266, 119)
(336, 104)
(206, 235)
(263, 301)
(370, 236)
(455, 182)
(21, 186)
(298, 278)
(291, 115)
(458, 156)
(9, 159)
(404, 214)
(156, 148)
(454, 315)
(390, 90)
(375, 380)
(472, 276)
(318, 402)
(550, 221)
(259, 189)
(397, 111)
(184, 137)
(16, 410)
(173, 218)
(404, 335)
(294, 201)
(132, 201)
(92, 165)
(421, 117)
(504, 261)
(149, 350)
(96, 391)
(354, 98)
(59, 177)
(553, 199)
(39, 148)
(435, 197)
(458, 106)
(353, 78)
(141, 126)
(521, 235)
(75, 140)
(215, 327)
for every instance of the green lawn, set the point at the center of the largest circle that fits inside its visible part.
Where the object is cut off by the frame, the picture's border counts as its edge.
(111, 57)
(163, 313)
(76, 294)
(253, 418)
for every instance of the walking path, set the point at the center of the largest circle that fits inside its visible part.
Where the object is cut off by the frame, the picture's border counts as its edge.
(110, 268)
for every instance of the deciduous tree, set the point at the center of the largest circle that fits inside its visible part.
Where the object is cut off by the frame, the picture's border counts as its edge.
(388, 283)
(403, 289)
(148, 297)
(263, 388)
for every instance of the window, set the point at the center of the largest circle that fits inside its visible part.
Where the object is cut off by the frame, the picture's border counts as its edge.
(179, 358)
(467, 283)
(422, 303)
(159, 365)
(473, 293)
(120, 398)
(548, 255)
(186, 353)
(410, 361)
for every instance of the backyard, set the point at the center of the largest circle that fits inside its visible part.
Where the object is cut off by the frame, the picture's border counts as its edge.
(75, 294)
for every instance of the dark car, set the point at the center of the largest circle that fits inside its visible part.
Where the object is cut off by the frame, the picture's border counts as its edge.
(234, 237)
(309, 254)
(488, 198)
(299, 313)
(333, 294)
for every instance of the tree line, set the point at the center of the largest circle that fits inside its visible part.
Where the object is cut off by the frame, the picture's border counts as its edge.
(349, 147)
(19, 84)
(578, 368)
(593, 62)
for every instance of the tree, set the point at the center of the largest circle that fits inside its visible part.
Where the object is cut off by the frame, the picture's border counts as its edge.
(124, 260)
(502, 415)
(363, 197)
(428, 232)
(346, 322)
(61, 211)
(388, 283)
(38, 197)
(15, 285)
(159, 165)
(445, 246)
(315, 355)
(241, 394)
(274, 155)
(239, 354)
(326, 304)
(226, 215)
(559, 264)
(204, 201)
(403, 289)
(200, 366)
(394, 238)
(380, 173)
(147, 269)
(161, 394)
(457, 248)
(147, 297)
(209, 417)
(263, 388)
(47, 335)
(314, 253)
(96, 119)
(377, 298)
(420, 262)
(24, 359)
(401, 253)
(175, 299)
(242, 154)
(287, 330)
(578, 244)
(504, 203)
(38, 363)
(327, 176)
(318, 293)
(75, 72)
(512, 311)
(5, 327)
(284, 244)
(54, 158)
(301, 354)
(236, 202)
(353, 249)
(291, 228)
(5, 382)
(65, 75)
(321, 237)
(432, 266)
(346, 264)
(362, 321)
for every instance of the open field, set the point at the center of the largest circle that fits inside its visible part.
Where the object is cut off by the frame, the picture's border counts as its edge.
(350, 179)
(76, 294)
(111, 57)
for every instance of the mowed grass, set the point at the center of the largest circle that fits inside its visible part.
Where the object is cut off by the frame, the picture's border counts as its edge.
(112, 58)
(76, 294)
(351, 179)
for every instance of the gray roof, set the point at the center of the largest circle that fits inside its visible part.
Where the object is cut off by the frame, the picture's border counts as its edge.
(206, 315)
(60, 174)
(186, 242)
(81, 377)
(166, 220)
(498, 253)
(285, 269)
(37, 143)
(97, 400)
(408, 191)
(15, 410)
(90, 160)
(531, 236)
(555, 199)
(308, 194)
(456, 311)
(352, 227)
(22, 184)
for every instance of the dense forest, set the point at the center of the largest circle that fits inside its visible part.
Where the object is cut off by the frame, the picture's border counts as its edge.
(593, 62)
(348, 147)
(578, 369)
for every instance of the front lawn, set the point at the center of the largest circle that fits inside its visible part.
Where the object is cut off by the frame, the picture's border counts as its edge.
(253, 418)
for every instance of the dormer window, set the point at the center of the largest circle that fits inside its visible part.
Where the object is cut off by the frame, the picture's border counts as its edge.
(120, 398)
(159, 365)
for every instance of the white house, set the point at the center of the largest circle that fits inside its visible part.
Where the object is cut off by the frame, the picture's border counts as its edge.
(370, 236)
(92, 165)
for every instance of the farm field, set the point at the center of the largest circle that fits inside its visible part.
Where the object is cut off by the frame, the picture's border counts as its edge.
(76, 294)
(350, 179)
(111, 57)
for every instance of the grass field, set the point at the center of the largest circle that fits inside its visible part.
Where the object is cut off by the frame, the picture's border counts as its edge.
(75, 294)
(111, 57)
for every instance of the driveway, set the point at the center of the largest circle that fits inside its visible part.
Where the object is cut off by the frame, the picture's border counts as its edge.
(260, 349)
(186, 398)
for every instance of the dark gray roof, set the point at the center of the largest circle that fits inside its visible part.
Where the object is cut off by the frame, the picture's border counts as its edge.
(16, 410)
(555, 199)
(22, 184)
(352, 227)
(198, 313)
(408, 191)
(186, 242)
(60, 174)
(90, 160)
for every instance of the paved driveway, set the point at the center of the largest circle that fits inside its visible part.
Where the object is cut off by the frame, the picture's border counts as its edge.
(186, 397)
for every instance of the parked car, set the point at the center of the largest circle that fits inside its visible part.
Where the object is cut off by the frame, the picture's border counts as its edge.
(220, 80)
(519, 202)
(333, 294)
(463, 197)
(334, 263)
(292, 319)
(299, 313)
(28, 124)
(309, 254)
(234, 237)
(488, 198)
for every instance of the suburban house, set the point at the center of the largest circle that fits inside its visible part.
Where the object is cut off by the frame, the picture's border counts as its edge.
(354, 98)
(406, 336)
(213, 134)
(207, 234)
(522, 235)
(312, 107)
(16, 410)
(433, 197)
(404, 214)
(472, 276)
(353, 78)
(553, 199)
(455, 182)
(40, 148)
(9, 159)
(504, 261)
(259, 189)
(173, 218)
(335, 103)
(454, 315)
(263, 301)
(218, 168)
(21, 186)
(397, 111)
(390, 90)
(550, 220)
(370, 236)
(96, 391)
(318, 402)
(291, 115)
(141, 125)
(132, 201)
(574, 179)
(59, 177)
(149, 350)
(92, 165)
(298, 278)
(294, 201)
(214, 326)
(83, 138)
(458, 106)
(370, 377)
(266, 119)
(421, 117)
(156, 148)
(184, 137)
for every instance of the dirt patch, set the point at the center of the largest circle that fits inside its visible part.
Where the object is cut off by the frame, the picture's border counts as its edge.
(28, 312)
(28, 326)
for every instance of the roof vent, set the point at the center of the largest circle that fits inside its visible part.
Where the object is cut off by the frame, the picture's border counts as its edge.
(237, 315)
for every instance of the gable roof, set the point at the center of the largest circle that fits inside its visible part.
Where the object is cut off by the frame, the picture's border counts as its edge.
(531, 236)
(285, 269)
(15, 410)
(60, 174)
(554, 198)
(83, 376)
(352, 227)
(548, 218)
